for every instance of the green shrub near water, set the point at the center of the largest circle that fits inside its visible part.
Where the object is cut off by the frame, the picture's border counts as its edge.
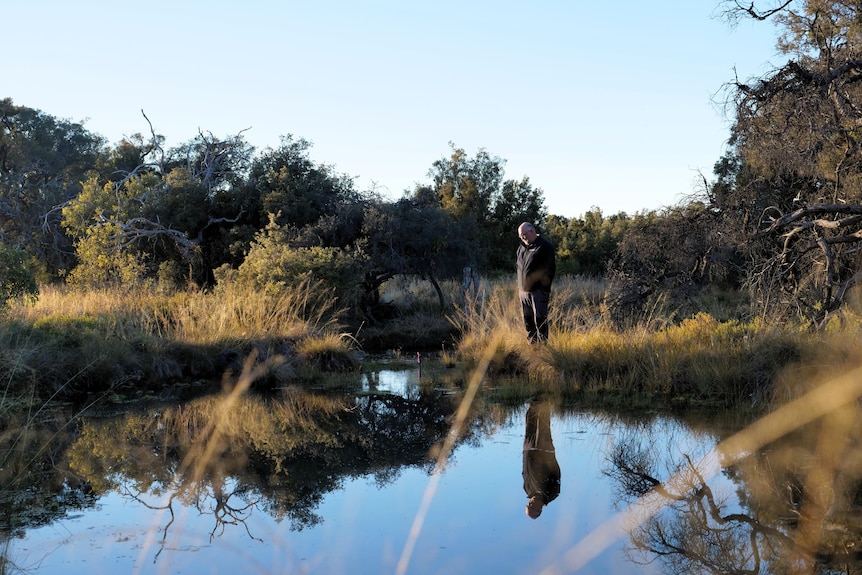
(273, 264)
(16, 279)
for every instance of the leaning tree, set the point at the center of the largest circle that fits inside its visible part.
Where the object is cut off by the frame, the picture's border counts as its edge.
(796, 144)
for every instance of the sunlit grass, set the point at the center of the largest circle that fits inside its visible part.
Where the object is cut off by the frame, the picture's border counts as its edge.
(72, 342)
(663, 361)
(229, 312)
(115, 336)
(232, 311)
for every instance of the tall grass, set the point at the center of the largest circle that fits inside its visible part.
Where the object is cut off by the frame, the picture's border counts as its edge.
(102, 340)
(229, 312)
(663, 360)
(235, 312)
(73, 342)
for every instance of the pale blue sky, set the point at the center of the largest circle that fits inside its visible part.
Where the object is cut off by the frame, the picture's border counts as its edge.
(599, 104)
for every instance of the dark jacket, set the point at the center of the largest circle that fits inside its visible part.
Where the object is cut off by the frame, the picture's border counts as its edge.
(536, 265)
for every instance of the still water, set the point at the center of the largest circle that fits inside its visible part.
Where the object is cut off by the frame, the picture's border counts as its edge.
(300, 484)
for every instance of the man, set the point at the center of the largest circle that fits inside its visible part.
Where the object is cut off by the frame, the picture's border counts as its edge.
(536, 268)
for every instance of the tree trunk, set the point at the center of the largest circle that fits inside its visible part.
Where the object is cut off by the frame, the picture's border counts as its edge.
(439, 291)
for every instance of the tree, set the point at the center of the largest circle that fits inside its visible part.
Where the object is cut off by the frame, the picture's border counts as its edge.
(487, 208)
(155, 215)
(295, 189)
(43, 161)
(517, 202)
(276, 261)
(586, 245)
(16, 280)
(799, 159)
(671, 255)
(466, 187)
(413, 238)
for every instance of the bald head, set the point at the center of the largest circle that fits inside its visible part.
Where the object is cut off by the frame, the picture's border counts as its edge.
(527, 232)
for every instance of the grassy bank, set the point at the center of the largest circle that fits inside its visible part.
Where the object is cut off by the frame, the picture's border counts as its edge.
(661, 361)
(72, 344)
(145, 343)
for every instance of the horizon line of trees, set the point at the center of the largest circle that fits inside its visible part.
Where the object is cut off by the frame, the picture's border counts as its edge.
(87, 213)
(780, 219)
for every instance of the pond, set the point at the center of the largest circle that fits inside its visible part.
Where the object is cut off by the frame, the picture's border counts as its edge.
(358, 482)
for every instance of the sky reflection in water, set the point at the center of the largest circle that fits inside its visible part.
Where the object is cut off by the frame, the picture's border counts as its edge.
(476, 523)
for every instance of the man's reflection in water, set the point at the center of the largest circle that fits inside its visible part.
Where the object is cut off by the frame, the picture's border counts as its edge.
(541, 471)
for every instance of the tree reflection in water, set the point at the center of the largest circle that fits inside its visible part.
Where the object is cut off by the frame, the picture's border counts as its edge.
(793, 507)
(788, 500)
(279, 455)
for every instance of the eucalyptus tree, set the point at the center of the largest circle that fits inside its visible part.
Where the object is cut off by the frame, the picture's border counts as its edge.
(487, 208)
(799, 157)
(294, 188)
(467, 186)
(43, 161)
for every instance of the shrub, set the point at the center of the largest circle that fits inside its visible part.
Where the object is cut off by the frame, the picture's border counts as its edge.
(16, 280)
(273, 264)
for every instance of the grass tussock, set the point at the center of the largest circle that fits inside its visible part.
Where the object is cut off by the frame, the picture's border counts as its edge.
(72, 344)
(699, 360)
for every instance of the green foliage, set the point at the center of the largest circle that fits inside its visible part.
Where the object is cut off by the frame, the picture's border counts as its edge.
(516, 202)
(161, 211)
(586, 245)
(294, 187)
(273, 264)
(466, 186)
(66, 330)
(16, 280)
(487, 208)
(43, 161)
(106, 255)
(410, 237)
(101, 261)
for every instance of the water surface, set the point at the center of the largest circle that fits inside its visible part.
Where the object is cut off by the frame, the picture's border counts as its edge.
(345, 492)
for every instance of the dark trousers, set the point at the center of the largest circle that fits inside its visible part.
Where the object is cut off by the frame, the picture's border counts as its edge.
(535, 307)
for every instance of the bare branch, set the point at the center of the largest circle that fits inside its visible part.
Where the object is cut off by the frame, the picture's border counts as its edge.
(765, 14)
(812, 210)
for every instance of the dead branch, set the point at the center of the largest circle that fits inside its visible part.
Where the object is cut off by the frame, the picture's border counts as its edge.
(814, 210)
(764, 15)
